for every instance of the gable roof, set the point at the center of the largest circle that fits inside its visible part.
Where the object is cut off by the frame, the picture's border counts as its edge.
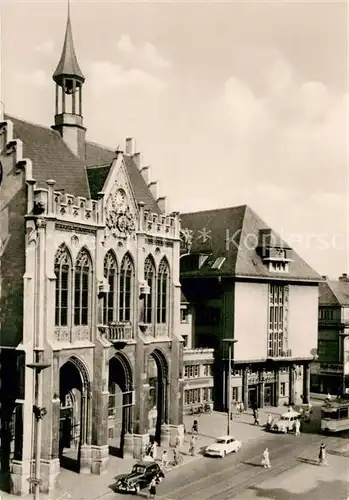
(233, 233)
(99, 160)
(334, 293)
(51, 158)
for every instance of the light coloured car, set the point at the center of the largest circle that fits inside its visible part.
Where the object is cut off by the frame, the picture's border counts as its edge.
(286, 422)
(222, 446)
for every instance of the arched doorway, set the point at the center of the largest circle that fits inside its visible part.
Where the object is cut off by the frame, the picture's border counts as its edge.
(120, 403)
(73, 418)
(158, 385)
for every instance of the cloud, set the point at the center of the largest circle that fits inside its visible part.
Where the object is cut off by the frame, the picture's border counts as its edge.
(146, 54)
(46, 47)
(105, 75)
(292, 133)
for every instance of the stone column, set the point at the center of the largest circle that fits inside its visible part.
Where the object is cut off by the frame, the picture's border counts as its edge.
(277, 386)
(100, 399)
(85, 449)
(245, 387)
(291, 385)
(306, 383)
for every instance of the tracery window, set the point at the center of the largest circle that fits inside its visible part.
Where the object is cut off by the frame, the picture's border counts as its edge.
(149, 276)
(125, 291)
(82, 283)
(62, 269)
(110, 274)
(162, 292)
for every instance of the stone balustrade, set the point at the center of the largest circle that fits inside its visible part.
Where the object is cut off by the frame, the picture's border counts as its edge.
(118, 331)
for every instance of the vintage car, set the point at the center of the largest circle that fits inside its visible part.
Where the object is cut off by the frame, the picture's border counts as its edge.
(286, 422)
(140, 476)
(222, 446)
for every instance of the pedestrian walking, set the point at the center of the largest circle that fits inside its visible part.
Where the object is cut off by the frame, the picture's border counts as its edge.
(256, 417)
(322, 455)
(192, 446)
(195, 427)
(152, 488)
(297, 428)
(164, 460)
(265, 459)
(154, 451)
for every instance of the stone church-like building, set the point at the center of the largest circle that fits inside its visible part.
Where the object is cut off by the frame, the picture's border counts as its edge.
(90, 297)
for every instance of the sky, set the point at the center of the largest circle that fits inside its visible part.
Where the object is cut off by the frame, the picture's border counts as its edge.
(230, 103)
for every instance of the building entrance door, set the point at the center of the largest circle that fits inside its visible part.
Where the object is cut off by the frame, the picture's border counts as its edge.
(268, 395)
(253, 396)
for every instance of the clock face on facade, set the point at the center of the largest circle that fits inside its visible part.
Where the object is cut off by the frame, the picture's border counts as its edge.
(120, 198)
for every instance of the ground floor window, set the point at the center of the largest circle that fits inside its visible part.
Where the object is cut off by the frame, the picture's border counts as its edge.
(192, 396)
(283, 389)
(207, 394)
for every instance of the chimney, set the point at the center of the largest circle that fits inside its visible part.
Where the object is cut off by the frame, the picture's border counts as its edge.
(130, 146)
(344, 277)
(162, 203)
(145, 171)
(154, 189)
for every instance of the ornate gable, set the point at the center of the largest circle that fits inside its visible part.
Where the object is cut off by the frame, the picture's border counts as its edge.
(120, 207)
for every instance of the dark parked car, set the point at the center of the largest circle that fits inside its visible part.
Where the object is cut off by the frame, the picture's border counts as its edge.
(140, 476)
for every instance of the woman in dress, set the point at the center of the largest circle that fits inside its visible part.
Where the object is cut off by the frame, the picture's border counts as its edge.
(152, 488)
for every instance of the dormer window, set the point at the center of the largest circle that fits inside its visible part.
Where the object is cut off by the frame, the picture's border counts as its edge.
(273, 251)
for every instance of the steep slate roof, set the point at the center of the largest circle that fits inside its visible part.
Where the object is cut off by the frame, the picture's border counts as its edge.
(99, 160)
(51, 158)
(334, 293)
(233, 233)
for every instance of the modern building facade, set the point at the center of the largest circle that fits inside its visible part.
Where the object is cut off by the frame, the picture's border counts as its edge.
(246, 284)
(197, 365)
(330, 373)
(90, 297)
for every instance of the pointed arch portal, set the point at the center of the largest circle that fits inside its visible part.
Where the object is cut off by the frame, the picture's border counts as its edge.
(158, 393)
(120, 403)
(73, 419)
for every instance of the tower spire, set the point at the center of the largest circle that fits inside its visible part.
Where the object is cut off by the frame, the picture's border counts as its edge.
(68, 65)
(69, 80)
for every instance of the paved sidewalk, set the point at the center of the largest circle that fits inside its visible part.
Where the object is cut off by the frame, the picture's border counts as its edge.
(88, 487)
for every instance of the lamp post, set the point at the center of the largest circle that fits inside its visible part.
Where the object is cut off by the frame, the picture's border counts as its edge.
(230, 342)
(39, 413)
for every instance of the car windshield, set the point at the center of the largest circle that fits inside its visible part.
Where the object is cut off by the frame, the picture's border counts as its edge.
(139, 469)
(221, 441)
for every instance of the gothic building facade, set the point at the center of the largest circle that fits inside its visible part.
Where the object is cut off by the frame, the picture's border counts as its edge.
(90, 297)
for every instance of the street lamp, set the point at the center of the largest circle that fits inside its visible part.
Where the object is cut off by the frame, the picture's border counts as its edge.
(39, 413)
(230, 342)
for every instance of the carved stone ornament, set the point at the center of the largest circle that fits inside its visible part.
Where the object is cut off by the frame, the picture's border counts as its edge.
(119, 219)
(186, 239)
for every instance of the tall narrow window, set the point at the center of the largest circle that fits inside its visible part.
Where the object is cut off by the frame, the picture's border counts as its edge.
(125, 295)
(276, 320)
(110, 274)
(162, 292)
(62, 272)
(149, 276)
(82, 288)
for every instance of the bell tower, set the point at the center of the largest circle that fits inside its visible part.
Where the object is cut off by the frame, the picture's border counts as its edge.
(69, 80)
